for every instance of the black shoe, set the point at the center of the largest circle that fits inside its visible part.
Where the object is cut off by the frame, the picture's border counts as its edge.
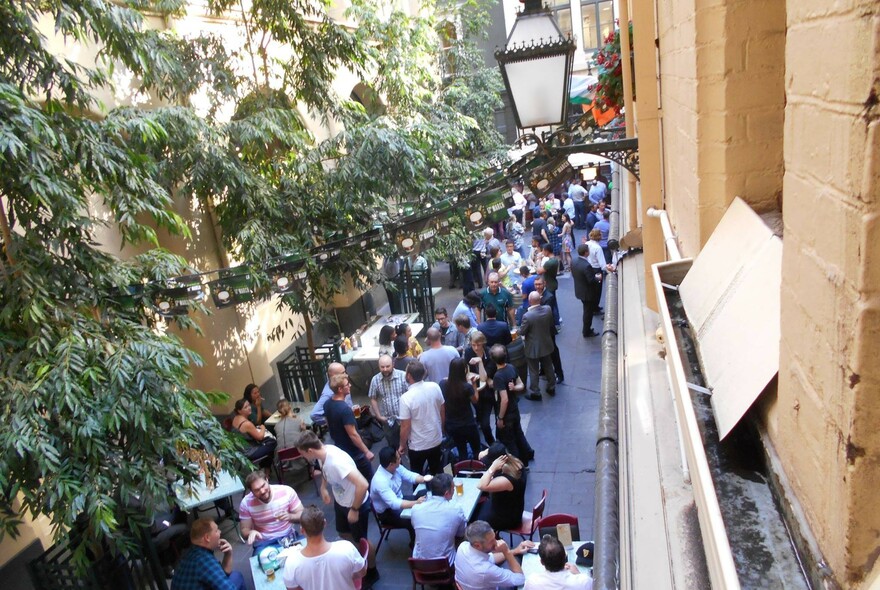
(533, 397)
(599, 311)
(591, 334)
(560, 379)
(529, 458)
(551, 392)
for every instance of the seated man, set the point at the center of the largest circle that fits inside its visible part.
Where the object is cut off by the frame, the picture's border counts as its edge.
(267, 511)
(198, 569)
(322, 564)
(478, 560)
(387, 493)
(558, 574)
(438, 523)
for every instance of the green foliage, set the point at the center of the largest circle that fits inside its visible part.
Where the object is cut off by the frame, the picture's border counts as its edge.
(95, 396)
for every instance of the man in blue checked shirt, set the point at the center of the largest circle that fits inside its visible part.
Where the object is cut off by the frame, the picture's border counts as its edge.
(386, 491)
(199, 569)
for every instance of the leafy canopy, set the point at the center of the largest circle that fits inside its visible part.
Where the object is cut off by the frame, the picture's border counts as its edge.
(96, 402)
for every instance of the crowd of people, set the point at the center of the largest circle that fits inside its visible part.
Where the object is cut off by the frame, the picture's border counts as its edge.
(457, 398)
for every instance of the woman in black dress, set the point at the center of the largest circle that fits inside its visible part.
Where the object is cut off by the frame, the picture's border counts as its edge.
(505, 481)
(459, 395)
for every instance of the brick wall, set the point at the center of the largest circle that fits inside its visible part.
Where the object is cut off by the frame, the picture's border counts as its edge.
(824, 423)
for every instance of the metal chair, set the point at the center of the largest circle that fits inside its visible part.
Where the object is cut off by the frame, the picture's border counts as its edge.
(431, 572)
(547, 525)
(529, 523)
(384, 529)
(290, 454)
(468, 468)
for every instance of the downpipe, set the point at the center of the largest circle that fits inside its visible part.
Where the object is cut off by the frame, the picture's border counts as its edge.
(606, 516)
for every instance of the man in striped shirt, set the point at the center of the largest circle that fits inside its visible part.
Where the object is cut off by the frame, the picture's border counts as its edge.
(268, 511)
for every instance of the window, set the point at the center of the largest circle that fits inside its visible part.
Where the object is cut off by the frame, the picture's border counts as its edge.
(562, 11)
(598, 23)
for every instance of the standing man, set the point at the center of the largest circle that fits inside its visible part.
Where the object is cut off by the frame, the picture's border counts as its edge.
(198, 569)
(437, 356)
(386, 491)
(351, 493)
(495, 331)
(537, 331)
(508, 386)
(449, 336)
(438, 522)
(343, 426)
(497, 296)
(386, 387)
(469, 306)
(597, 191)
(519, 201)
(539, 228)
(479, 558)
(549, 299)
(317, 414)
(267, 511)
(578, 194)
(422, 415)
(585, 288)
(322, 564)
(558, 574)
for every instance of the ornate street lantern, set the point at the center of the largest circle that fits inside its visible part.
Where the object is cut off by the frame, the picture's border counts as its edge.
(536, 66)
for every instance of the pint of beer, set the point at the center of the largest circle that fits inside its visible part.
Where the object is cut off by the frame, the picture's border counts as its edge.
(357, 410)
(459, 487)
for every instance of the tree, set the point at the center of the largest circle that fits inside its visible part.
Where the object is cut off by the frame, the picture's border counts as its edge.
(95, 397)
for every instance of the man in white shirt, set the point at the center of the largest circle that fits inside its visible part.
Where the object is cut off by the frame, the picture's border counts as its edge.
(351, 495)
(438, 522)
(519, 201)
(479, 558)
(578, 194)
(422, 414)
(322, 564)
(558, 574)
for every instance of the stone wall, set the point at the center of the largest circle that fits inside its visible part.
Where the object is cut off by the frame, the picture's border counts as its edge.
(824, 422)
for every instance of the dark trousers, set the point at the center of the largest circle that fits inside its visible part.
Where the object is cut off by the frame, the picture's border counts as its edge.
(392, 434)
(432, 457)
(485, 407)
(365, 467)
(463, 436)
(358, 530)
(580, 215)
(478, 268)
(589, 306)
(393, 518)
(514, 439)
(544, 364)
(557, 362)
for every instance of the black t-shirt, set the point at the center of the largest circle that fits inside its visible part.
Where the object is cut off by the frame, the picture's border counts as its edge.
(338, 415)
(538, 225)
(459, 412)
(502, 377)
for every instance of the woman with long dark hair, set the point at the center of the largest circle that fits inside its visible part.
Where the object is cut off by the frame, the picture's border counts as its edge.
(460, 394)
(386, 337)
(261, 442)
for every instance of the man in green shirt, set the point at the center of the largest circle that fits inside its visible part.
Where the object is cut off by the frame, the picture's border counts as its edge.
(499, 297)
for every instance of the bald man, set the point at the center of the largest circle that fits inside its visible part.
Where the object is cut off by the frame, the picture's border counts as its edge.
(537, 332)
(317, 414)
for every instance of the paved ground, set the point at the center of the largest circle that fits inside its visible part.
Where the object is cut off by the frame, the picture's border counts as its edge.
(561, 429)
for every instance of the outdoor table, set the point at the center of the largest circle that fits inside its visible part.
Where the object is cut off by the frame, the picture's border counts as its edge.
(190, 500)
(305, 409)
(369, 349)
(467, 501)
(261, 581)
(531, 563)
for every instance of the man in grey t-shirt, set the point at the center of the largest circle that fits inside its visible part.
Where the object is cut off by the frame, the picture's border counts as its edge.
(437, 357)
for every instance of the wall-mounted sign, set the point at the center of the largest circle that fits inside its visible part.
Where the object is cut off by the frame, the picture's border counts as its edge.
(543, 180)
(234, 286)
(181, 294)
(287, 275)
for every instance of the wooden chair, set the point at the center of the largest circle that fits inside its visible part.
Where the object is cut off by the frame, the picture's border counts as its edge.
(290, 454)
(468, 468)
(547, 525)
(431, 572)
(529, 521)
(384, 529)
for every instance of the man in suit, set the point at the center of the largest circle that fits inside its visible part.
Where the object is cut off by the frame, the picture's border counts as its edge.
(585, 283)
(537, 332)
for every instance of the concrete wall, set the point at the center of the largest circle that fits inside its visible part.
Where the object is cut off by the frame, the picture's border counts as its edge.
(824, 422)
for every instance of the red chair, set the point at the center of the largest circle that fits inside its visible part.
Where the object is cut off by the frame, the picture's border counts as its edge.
(431, 572)
(469, 468)
(384, 529)
(290, 454)
(364, 549)
(547, 525)
(529, 521)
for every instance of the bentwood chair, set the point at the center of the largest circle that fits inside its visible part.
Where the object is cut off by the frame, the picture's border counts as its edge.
(529, 523)
(547, 525)
(289, 455)
(468, 468)
(431, 572)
